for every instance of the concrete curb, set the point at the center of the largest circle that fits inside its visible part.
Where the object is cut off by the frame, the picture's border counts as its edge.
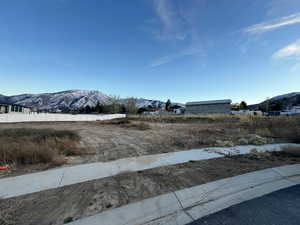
(35, 182)
(187, 205)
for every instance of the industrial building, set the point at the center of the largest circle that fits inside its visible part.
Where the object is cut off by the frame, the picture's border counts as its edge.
(209, 107)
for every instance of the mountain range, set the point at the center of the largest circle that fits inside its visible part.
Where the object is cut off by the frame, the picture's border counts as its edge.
(71, 99)
(78, 99)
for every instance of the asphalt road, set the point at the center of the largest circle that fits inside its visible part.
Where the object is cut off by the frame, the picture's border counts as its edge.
(278, 208)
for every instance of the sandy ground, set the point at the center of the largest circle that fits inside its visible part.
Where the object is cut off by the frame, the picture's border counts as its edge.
(69, 203)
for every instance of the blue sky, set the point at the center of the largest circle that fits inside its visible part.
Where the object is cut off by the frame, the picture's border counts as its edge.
(185, 50)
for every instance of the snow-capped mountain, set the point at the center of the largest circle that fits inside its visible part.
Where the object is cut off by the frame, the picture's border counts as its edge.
(145, 103)
(71, 100)
(150, 104)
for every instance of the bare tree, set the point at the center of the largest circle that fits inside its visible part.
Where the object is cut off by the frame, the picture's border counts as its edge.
(131, 105)
(115, 104)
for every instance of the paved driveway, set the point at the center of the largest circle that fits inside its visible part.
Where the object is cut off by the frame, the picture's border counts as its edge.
(278, 208)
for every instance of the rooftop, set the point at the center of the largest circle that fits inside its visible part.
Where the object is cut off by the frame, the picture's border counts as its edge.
(224, 101)
(13, 105)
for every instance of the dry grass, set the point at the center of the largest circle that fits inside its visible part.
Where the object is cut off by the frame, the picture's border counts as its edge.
(31, 146)
(114, 121)
(127, 123)
(194, 137)
(137, 125)
(193, 131)
(150, 134)
(185, 118)
(284, 127)
(225, 130)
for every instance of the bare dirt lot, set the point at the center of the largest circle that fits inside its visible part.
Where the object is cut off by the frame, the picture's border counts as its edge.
(144, 135)
(69, 203)
(136, 136)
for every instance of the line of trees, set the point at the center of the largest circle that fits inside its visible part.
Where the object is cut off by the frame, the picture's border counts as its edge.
(114, 105)
(272, 106)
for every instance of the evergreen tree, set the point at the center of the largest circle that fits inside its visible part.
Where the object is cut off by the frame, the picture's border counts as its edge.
(243, 105)
(99, 108)
(298, 100)
(88, 109)
(276, 106)
(168, 105)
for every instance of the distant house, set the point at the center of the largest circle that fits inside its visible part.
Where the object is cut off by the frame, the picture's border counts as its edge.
(12, 108)
(209, 107)
(292, 111)
(247, 112)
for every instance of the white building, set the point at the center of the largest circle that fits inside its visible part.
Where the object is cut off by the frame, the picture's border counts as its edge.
(293, 111)
(247, 112)
(7, 108)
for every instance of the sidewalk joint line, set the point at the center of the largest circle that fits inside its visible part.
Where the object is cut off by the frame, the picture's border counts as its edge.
(189, 215)
(62, 176)
(287, 178)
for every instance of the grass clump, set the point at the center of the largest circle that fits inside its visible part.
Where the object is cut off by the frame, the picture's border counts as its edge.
(127, 123)
(32, 146)
(282, 127)
(114, 121)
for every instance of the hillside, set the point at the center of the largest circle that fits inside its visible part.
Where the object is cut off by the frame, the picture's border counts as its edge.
(279, 102)
(71, 100)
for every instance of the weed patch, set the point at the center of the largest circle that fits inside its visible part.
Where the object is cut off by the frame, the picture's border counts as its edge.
(31, 146)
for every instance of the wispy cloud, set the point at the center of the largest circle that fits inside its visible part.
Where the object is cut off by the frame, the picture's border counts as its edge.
(172, 24)
(169, 58)
(176, 26)
(273, 24)
(291, 51)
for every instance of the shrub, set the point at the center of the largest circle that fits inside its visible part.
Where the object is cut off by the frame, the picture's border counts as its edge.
(31, 146)
(126, 123)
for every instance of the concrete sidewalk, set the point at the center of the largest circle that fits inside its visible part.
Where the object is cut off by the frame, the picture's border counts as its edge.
(188, 205)
(35, 182)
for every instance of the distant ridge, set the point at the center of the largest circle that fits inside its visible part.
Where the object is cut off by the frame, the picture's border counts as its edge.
(78, 99)
(71, 100)
(286, 100)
